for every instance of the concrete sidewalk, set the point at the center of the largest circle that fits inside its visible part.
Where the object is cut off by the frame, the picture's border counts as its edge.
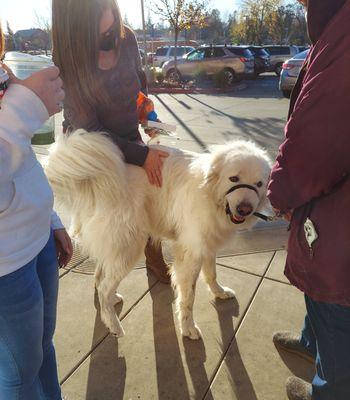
(236, 359)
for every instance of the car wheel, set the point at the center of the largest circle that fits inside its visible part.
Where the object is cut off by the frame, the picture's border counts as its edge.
(173, 76)
(286, 93)
(230, 77)
(278, 69)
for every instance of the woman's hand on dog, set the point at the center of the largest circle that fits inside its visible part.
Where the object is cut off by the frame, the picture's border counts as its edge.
(153, 166)
(64, 247)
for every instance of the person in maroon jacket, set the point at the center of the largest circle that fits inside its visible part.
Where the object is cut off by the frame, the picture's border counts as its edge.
(310, 182)
(101, 69)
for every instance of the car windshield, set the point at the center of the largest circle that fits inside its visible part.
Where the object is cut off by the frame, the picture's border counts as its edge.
(196, 55)
(180, 51)
(240, 51)
(302, 55)
(162, 51)
(259, 52)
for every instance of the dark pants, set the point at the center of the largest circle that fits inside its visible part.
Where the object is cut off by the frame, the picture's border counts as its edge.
(326, 335)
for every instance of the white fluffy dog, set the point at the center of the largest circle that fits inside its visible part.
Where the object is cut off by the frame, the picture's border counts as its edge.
(204, 199)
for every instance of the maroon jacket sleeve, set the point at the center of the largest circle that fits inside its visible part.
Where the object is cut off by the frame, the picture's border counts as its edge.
(315, 154)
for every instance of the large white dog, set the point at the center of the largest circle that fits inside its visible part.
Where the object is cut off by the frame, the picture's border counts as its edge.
(204, 199)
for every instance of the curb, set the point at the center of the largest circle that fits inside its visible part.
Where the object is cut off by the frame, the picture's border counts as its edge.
(156, 90)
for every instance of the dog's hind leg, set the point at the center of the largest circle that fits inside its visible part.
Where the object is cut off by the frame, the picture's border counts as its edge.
(106, 290)
(209, 273)
(184, 278)
(108, 278)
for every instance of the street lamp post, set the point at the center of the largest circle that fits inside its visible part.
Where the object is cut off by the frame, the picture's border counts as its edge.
(144, 30)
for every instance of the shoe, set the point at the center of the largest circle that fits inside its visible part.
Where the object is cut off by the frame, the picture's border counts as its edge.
(297, 389)
(155, 262)
(290, 342)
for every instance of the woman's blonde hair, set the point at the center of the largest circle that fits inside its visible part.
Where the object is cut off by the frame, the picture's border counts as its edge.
(76, 40)
(2, 43)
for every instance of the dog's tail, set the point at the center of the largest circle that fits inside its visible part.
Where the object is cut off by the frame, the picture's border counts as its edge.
(85, 166)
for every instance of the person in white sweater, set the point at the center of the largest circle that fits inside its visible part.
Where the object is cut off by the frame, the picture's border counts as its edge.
(33, 242)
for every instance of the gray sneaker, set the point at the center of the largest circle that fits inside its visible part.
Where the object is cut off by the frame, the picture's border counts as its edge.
(290, 343)
(297, 389)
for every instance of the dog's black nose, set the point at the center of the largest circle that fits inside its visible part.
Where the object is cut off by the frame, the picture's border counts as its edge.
(244, 209)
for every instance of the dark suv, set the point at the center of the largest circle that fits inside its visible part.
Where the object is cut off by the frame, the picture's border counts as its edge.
(262, 61)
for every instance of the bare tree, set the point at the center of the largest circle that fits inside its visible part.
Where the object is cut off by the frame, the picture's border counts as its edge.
(44, 24)
(10, 38)
(181, 15)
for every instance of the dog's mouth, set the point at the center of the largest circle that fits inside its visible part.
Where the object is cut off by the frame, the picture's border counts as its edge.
(236, 219)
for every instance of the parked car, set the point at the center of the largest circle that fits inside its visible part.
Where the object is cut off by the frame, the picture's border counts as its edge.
(279, 55)
(290, 73)
(303, 48)
(166, 53)
(235, 62)
(262, 62)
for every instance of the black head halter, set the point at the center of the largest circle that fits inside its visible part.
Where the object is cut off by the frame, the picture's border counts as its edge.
(245, 186)
(242, 186)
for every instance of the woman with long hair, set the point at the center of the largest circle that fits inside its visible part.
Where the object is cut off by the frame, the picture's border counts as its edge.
(100, 65)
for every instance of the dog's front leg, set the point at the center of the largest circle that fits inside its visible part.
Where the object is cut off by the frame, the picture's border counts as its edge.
(209, 273)
(186, 271)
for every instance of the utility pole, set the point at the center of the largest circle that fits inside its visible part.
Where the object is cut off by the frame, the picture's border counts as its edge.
(144, 30)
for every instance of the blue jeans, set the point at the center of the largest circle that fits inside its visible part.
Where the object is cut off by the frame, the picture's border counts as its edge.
(326, 335)
(28, 299)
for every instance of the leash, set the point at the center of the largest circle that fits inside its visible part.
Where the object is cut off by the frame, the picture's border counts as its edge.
(266, 218)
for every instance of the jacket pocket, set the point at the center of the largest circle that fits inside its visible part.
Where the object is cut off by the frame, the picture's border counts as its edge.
(12, 200)
(32, 195)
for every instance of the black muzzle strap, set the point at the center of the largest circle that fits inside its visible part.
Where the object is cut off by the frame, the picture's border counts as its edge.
(242, 186)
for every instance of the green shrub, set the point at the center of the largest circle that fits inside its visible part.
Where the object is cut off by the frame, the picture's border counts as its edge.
(200, 76)
(160, 77)
(220, 79)
(150, 75)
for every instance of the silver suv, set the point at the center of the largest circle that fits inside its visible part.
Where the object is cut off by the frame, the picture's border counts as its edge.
(235, 62)
(166, 53)
(279, 55)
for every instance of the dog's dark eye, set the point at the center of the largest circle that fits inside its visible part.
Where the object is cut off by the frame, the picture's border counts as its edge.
(234, 179)
(259, 184)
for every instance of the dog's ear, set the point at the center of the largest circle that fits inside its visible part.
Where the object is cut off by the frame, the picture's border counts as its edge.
(213, 172)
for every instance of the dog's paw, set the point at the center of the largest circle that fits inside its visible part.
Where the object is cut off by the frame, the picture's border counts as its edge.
(117, 332)
(225, 293)
(193, 332)
(118, 298)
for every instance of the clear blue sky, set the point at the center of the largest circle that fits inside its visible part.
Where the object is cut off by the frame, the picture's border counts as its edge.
(21, 13)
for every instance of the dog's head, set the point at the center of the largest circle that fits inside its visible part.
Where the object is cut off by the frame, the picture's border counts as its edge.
(237, 177)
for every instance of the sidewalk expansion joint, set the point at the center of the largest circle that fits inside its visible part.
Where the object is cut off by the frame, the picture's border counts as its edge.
(222, 359)
(72, 268)
(96, 345)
